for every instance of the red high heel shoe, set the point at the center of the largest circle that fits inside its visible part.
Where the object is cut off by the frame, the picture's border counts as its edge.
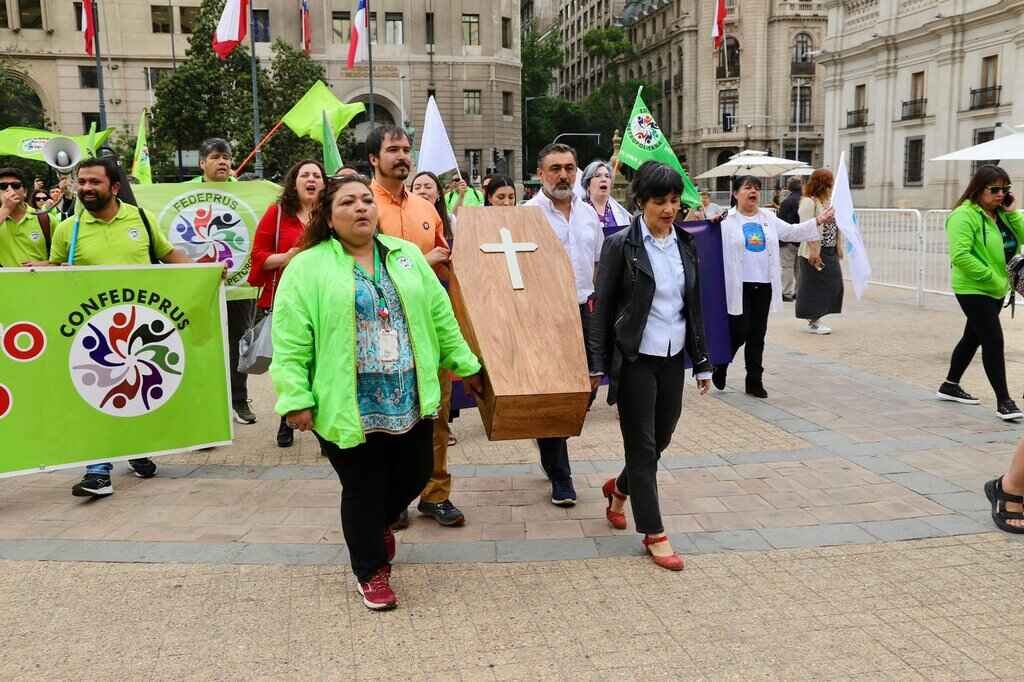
(617, 519)
(672, 563)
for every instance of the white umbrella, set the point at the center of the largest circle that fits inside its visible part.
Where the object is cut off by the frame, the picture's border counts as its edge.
(751, 162)
(1002, 148)
(802, 171)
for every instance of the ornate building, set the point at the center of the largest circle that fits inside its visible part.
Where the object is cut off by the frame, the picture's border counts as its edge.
(465, 53)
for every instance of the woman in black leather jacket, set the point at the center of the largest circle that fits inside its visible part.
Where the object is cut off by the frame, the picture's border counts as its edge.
(648, 312)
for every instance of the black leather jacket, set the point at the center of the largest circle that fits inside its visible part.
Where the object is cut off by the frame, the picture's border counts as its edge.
(625, 291)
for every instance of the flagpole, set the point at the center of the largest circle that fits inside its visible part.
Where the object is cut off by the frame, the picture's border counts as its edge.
(174, 66)
(99, 64)
(258, 166)
(369, 57)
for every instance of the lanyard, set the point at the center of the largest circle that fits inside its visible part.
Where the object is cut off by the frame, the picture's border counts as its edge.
(382, 302)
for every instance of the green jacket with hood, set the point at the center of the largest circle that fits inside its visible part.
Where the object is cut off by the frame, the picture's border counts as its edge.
(976, 249)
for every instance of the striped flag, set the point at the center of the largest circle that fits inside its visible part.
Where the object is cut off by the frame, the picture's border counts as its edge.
(307, 28)
(231, 28)
(718, 26)
(89, 26)
(359, 41)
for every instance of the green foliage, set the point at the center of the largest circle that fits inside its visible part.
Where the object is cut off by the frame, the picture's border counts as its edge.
(541, 56)
(21, 106)
(608, 43)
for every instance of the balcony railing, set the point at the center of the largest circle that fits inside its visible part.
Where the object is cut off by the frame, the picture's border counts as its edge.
(801, 69)
(733, 72)
(914, 108)
(858, 118)
(984, 98)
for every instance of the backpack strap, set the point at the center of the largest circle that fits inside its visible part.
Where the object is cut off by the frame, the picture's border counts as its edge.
(44, 225)
(149, 233)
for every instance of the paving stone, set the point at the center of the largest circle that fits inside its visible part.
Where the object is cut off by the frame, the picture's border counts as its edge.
(622, 545)
(924, 483)
(546, 550)
(447, 552)
(899, 529)
(815, 536)
(881, 464)
(956, 524)
(964, 501)
(718, 541)
(297, 554)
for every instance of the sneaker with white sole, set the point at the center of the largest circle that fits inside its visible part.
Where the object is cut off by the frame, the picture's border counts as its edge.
(818, 328)
(954, 394)
(377, 593)
(1008, 411)
(242, 412)
(93, 485)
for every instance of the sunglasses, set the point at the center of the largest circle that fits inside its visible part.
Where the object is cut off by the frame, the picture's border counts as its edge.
(998, 189)
(11, 185)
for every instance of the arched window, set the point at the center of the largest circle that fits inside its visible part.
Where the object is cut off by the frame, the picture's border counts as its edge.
(661, 65)
(802, 46)
(632, 74)
(729, 59)
(650, 70)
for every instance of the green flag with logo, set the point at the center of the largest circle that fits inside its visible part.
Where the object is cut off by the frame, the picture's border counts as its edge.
(106, 363)
(212, 222)
(644, 141)
(28, 143)
(141, 167)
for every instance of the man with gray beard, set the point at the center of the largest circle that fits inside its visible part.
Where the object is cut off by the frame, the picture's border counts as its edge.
(579, 229)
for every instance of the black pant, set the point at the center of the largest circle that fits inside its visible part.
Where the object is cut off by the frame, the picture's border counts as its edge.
(554, 452)
(982, 329)
(240, 316)
(378, 481)
(751, 327)
(650, 402)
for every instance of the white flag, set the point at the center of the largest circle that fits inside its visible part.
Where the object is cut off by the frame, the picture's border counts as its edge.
(436, 153)
(846, 219)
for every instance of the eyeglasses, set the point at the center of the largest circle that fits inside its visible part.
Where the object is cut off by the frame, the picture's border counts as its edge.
(12, 185)
(998, 189)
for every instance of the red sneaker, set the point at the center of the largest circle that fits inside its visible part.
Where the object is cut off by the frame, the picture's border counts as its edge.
(377, 593)
(389, 543)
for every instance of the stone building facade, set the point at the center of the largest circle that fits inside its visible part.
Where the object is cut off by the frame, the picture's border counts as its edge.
(467, 54)
(909, 80)
(582, 73)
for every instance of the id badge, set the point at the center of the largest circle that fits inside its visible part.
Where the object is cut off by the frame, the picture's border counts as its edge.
(388, 346)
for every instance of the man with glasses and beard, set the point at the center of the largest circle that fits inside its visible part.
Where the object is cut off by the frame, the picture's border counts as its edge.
(579, 229)
(110, 232)
(24, 234)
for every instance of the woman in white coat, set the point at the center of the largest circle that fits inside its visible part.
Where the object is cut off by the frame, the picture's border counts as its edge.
(753, 274)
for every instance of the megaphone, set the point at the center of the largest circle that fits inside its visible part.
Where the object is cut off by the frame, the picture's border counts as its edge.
(62, 154)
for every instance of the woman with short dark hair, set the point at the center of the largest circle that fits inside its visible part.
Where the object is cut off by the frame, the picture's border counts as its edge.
(984, 233)
(648, 313)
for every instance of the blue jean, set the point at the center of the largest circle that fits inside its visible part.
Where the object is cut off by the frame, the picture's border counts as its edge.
(105, 468)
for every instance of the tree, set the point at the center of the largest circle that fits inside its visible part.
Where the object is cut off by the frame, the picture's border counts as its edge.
(608, 43)
(20, 106)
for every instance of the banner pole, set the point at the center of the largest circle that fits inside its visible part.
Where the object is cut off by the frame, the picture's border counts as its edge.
(259, 145)
(99, 65)
(255, 93)
(369, 59)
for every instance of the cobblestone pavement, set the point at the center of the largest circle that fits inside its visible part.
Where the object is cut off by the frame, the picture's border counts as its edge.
(836, 530)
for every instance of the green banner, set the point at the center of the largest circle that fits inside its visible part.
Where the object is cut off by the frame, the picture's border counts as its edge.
(28, 143)
(212, 222)
(106, 363)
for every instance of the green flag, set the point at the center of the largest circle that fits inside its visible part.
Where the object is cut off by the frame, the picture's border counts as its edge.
(305, 117)
(644, 141)
(91, 145)
(133, 360)
(141, 168)
(332, 157)
(28, 143)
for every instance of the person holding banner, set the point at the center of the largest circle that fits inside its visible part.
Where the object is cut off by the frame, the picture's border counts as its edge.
(648, 313)
(371, 403)
(276, 241)
(597, 184)
(753, 274)
(109, 232)
(24, 234)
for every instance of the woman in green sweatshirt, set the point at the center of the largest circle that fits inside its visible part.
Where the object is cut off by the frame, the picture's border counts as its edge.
(984, 234)
(361, 324)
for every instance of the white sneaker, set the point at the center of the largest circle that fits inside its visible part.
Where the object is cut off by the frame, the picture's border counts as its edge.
(818, 328)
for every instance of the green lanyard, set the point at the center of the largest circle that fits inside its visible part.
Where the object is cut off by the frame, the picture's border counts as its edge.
(382, 302)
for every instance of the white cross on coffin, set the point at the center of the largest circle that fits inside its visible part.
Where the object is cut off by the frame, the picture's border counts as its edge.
(510, 249)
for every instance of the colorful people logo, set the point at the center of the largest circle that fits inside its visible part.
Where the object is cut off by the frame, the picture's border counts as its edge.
(645, 132)
(212, 234)
(127, 361)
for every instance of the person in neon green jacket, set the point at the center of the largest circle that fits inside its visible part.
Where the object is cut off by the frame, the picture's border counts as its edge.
(361, 325)
(984, 234)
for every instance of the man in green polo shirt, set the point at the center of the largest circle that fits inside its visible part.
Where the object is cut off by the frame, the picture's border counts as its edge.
(23, 239)
(110, 232)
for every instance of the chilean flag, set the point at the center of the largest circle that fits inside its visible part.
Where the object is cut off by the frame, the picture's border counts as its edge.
(718, 27)
(231, 28)
(358, 42)
(307, 28)
(88, 26)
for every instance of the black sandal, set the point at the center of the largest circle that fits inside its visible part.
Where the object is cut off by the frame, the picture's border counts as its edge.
(1000, 516)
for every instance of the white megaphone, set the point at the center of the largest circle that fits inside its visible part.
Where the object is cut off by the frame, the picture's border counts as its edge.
(62, 154)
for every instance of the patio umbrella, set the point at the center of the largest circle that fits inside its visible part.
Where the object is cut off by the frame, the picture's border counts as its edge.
(802, 171)
(751, 162)
(1002, 148)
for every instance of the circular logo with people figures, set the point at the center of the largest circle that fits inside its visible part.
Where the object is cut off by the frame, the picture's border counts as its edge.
(211, 227)
(644, 131)
(127, 361)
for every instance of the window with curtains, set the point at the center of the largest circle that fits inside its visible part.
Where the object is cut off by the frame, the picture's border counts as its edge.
(393, 28)
(30, 13)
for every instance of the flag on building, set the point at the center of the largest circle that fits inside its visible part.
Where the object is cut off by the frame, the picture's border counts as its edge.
(89, 26)
(141, 168)
(718, 25)
(436, 153)
(231, 28)
(307, 28)
(332, 157)
(846, 220)
(305, 117)
(359, 40)
(644, 141)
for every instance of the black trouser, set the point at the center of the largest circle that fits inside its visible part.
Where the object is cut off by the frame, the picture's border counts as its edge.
(554, 452)
(650, 402)
(241, 315)
(982, 329)
(750, 328)
(378, 481)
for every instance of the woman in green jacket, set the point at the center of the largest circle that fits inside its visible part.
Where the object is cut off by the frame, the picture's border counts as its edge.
(984, 234)
(361, 324)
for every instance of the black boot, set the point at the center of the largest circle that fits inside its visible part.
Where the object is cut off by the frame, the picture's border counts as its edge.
(285, 435)
(755, 387)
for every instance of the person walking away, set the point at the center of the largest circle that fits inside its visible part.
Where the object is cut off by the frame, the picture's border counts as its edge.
(648, 313)
(984, 233)
(371, 403)
(789, 212)
(820, 260)
(597, 188)
(276, 243)
(577, 226)
(24, 234)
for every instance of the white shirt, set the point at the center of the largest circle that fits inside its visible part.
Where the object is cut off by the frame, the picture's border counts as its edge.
(757, 265)
(581, 236)
(665, 331)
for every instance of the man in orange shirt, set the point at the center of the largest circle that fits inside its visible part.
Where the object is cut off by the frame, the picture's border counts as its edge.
(409, 217)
